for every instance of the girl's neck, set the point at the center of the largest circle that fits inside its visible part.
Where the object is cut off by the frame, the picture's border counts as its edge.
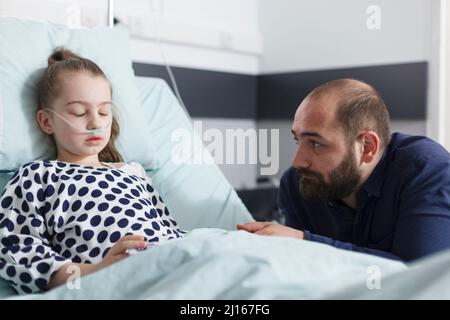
(89, 160)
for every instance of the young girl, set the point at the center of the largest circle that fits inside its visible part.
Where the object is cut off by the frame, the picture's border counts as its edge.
(86, 208)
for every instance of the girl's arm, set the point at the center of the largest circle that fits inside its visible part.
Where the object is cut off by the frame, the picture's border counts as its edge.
(116, 253)
(69, 270)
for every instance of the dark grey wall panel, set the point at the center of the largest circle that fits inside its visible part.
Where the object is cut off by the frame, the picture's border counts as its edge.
(209, 93)
(403, 87)
(276, 96)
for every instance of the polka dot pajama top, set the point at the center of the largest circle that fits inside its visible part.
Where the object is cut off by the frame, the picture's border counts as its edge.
(54, 212)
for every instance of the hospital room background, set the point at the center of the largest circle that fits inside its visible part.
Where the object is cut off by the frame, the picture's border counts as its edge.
(239, 69)
(244, 66)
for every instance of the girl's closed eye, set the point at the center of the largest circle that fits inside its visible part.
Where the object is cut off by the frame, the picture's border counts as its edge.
(77, 113)
(105, 110)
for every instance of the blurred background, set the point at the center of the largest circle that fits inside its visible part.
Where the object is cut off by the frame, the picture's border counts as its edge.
(247, 64)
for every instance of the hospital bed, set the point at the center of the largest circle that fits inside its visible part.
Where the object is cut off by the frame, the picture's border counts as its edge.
(213, 261)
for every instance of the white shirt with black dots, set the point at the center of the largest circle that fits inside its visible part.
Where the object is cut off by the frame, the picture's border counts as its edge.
(54, 212)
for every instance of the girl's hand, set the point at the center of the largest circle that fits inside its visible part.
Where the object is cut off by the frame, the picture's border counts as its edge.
(118, 251)
(115, 254)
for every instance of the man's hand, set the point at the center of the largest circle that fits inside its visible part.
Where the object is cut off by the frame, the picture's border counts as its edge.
(271, 229)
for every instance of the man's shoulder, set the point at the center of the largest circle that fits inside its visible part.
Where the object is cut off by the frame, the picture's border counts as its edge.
(413, 148)
(415, 159)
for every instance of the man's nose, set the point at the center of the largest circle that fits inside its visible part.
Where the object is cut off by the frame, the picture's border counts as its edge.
(300, 159)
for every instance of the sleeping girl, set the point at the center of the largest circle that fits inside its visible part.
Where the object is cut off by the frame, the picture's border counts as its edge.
(86, 207)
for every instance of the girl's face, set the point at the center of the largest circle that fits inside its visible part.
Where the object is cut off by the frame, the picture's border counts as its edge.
(85, 102)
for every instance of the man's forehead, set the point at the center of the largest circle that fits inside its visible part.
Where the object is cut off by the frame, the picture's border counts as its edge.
(315, 115)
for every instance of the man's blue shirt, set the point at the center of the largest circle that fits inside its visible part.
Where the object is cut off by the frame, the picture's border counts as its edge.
(403, 209)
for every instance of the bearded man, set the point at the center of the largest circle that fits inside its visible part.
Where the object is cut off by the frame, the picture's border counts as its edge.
(355, 186)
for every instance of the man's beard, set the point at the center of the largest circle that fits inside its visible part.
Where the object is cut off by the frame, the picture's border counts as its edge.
(342, 181)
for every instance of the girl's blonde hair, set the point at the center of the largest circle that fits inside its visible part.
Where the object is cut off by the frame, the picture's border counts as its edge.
(63, 62)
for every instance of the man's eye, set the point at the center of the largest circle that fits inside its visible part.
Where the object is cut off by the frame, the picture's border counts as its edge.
(315, 144)
(79, 114)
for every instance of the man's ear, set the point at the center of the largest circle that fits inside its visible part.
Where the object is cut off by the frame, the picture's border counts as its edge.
(370, 145)
(44, 122)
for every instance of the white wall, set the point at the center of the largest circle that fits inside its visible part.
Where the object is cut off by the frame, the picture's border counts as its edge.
(68, 12)
(204, 34)
(324, 34)
(439, 80)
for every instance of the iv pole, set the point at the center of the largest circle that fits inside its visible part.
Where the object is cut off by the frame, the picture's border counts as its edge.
(111, 13)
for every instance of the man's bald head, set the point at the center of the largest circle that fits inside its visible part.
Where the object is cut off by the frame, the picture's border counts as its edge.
(356, 106)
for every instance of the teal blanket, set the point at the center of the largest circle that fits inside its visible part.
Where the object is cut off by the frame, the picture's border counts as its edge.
(219, 264)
